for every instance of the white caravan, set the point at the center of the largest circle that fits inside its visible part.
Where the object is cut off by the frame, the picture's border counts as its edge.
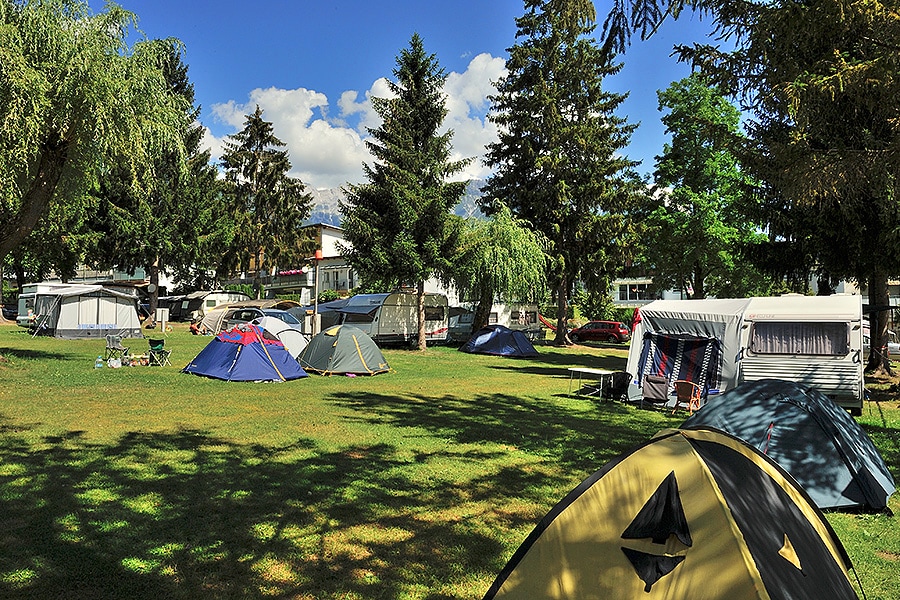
(811, 340)
(718, 344)
(393, 318)
(521, 317)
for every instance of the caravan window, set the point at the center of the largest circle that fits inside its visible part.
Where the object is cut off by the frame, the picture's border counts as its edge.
(351, 318)
(809, 338)
(434, 313)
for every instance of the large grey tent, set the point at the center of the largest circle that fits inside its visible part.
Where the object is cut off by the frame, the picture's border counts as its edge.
(809, 436)
(86, 311)
(343, 349)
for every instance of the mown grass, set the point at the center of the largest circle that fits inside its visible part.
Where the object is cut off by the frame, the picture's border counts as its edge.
(147, 483)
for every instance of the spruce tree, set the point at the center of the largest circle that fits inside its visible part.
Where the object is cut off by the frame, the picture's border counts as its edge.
(558, 161)
(268, 206)
(398, 222)
(171, 224)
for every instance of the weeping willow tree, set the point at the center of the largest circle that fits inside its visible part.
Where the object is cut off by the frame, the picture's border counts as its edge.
(75, 96)
(501, 258)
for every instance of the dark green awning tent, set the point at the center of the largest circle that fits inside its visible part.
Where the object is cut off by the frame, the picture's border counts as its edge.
(810, 436)
(690, 514)
(343, 349)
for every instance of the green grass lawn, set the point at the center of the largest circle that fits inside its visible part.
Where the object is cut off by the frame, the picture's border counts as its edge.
(144, 482)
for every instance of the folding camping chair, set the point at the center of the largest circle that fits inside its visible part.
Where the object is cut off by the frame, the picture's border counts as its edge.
(114, 347)
(617, 386)
(158, 355)
(687, 393)
(655, 390)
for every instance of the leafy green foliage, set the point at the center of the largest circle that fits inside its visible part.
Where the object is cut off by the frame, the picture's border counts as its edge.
(695, 227)
(267, 205)
(398, 224)
(73, 94)
(821, 80)
(176, 224)
(558, 161)
(499, 258)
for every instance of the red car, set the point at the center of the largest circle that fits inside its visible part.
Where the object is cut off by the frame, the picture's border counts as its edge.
(601, 331)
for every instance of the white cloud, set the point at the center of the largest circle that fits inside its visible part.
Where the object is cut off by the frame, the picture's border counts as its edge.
(328, 152)
(467, 105)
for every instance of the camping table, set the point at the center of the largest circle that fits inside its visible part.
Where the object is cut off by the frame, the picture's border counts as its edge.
(598, 374)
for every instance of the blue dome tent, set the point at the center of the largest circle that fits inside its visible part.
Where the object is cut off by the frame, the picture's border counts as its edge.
(500, 341)
(244, 353)
(809, 436)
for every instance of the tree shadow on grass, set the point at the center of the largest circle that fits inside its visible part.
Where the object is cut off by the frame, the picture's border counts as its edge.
(577, 441)
(29, 354)
(190, 515)
(187, 514)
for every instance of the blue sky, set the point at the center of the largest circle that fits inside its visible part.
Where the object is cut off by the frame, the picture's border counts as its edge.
(312, 65)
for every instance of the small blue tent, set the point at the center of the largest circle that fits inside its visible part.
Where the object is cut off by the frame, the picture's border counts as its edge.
(809, 436)
(500, 341)
(243, 353)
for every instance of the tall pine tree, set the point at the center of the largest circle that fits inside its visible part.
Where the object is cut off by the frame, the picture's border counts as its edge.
(399, 222)
(268, 206)
(557, 161)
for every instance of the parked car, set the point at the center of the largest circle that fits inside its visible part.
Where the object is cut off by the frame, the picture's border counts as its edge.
(238, 315)
(283, 315)
(10, 311)
(601, 331)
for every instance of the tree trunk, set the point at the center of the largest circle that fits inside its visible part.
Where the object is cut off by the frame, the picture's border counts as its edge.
(482, 310)
(420, 303)
(699, 283)
(562, 308)
(257, 278)
(20, 274)
(879, 361)
(154, 285)
(38, 196)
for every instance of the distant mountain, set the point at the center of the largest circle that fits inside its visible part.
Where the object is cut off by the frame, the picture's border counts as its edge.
(325, 204)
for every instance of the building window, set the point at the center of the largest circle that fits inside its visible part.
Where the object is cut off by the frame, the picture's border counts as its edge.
(630, 292)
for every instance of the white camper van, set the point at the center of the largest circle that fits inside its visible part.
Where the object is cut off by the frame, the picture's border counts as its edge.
(521, 317)
(718, 344)
(393, 318)
(80, 311)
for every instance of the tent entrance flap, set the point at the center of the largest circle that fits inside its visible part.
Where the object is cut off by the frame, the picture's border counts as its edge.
(687, 357)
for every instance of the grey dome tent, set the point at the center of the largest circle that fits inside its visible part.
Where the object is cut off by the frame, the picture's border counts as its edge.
(809, 436)
(343, 349)
(500, 341)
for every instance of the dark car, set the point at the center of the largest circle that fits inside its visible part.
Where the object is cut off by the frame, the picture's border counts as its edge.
(601, 331)
(10, 311)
